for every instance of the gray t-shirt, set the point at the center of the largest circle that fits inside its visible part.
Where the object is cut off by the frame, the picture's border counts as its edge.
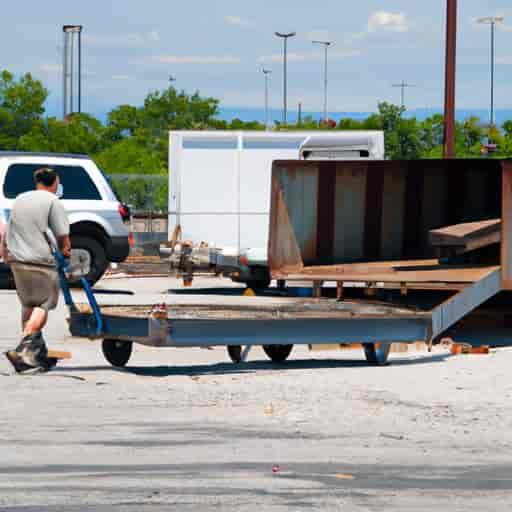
(32, 215)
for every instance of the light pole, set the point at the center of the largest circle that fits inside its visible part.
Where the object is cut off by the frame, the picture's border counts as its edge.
(285, 47)
(68, 70)
(326, 45)
(403, 85)
(266, 73)
(492, 20)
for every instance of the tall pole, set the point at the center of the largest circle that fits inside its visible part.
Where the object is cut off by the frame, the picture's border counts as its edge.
(403, 86)
(285, 48)
(492, 21)
(80, 70)
(65, 75)
(326, 45)
(450, 76)
(72, 74)
(266, 73)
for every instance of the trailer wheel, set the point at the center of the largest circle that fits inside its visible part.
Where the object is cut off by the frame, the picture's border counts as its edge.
(235, 353)
(277, 353)
(377, 353)
(117, 352)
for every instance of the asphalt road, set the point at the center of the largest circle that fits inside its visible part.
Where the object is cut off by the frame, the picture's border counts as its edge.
(189, 430)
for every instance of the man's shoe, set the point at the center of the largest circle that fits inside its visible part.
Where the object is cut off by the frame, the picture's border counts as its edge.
(17, 362)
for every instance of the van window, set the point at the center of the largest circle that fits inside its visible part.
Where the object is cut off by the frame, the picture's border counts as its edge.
(75, 180)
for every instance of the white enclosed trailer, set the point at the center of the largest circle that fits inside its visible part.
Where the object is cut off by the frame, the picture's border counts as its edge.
(219, 192)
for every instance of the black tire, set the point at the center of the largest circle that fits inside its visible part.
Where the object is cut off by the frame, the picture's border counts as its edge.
(235, 353)
(278, 353)
(117, 352)
(99, 262)
(377, 356)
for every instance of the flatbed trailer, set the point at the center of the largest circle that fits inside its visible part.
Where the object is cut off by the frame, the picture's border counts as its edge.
(356, 226)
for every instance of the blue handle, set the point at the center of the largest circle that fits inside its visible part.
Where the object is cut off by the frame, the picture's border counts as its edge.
(62, 268)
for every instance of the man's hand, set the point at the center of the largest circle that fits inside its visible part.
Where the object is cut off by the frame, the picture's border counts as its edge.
(65, 246)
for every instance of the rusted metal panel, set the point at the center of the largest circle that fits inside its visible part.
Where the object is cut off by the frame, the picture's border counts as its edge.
(412, 213)
(374, 211)
(393, 203)
(326, 211)
(373, 217)
(506, 227)
(350, 212)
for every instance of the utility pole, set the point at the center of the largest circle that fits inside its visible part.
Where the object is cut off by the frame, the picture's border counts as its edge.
(326, 45)
(492, 21)
(266, 73)
(71, 32)
(403, 86)
(450, 76)
(285, 38)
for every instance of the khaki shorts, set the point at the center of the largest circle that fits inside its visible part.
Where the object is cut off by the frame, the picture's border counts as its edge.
(37, 286)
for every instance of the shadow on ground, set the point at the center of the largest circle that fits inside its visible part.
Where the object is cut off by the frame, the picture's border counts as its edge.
(250, 367)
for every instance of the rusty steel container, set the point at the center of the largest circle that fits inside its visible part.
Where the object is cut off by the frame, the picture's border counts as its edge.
(325, 214)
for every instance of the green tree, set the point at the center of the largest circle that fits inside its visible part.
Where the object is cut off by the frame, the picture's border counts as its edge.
(21, 106)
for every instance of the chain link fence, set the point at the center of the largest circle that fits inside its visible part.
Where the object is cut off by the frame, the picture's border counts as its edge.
(142, 192)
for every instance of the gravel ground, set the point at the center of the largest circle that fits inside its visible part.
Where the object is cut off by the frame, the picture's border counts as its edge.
(188, 430)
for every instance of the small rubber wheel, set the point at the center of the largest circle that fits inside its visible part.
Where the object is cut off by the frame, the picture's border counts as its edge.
(278, 353)
(235, 353)
(117, 352)
(377, 353)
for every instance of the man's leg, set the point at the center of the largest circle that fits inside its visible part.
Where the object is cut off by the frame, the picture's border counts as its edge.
(35, 321)
(26, 313)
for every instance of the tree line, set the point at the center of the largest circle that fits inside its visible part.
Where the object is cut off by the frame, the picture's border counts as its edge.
(134, 139)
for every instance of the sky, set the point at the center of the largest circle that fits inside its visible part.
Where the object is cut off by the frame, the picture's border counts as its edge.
(219, 47)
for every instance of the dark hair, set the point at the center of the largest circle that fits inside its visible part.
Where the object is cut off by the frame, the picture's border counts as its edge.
(45, 176)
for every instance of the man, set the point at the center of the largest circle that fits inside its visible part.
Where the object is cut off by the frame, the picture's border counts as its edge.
(35, 217)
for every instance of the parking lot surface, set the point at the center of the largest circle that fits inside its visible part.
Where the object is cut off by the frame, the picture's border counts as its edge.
(189, 430)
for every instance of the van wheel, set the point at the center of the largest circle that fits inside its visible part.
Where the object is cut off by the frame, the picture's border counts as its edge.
(93, 252)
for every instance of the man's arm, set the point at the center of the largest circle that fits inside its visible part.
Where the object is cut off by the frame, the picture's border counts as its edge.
(59, 225)
(65, 246)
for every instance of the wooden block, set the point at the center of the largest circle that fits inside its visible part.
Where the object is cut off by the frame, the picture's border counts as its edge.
(59, 354)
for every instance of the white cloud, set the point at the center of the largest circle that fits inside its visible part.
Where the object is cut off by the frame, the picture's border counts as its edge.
(237, 21)
(51, 69)
(318, 35)
(194, 59)
(383, 21)
(131, 40)
(311, 56)
(121, 77)
(507, 61)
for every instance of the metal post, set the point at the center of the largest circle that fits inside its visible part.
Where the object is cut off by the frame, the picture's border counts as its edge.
(450, 78)
(285, 102)
(266, 73)
(64, 75)
(80, 71)
(325, 84)
(285, 49)
(72, 73)
(326, 45)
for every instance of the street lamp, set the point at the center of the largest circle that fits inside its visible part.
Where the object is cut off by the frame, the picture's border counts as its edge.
(285, 46)
(326, 45)
(492, 21)
(69, 68)
(266, 73)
